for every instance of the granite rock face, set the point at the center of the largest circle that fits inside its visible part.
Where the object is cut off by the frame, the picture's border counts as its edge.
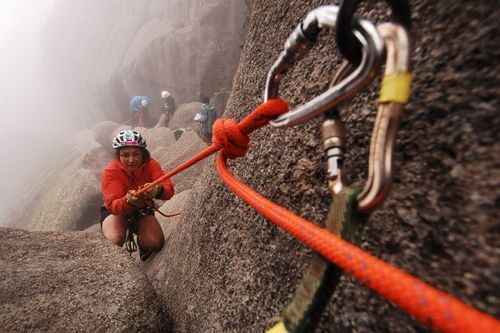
(184, 114)
(73, 282)
(65, 192)
(188, 145)
(232, 270)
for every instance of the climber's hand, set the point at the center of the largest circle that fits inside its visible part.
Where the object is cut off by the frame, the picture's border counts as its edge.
(153, 191)
(134, 200)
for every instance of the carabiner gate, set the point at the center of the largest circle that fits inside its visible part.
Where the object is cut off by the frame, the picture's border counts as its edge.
(299, 43)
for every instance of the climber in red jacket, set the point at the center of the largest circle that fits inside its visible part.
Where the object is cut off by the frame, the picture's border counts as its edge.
(131, 168)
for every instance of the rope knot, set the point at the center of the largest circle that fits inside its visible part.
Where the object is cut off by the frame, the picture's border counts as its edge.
(228, 136)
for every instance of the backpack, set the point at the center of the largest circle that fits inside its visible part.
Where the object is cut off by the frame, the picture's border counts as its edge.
(206, 118)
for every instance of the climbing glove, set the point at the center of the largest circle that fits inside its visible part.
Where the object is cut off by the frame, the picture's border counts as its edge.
(154, 192)
(134, 200)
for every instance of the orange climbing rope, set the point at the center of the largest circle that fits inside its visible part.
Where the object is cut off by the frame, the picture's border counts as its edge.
(431, 306)
(150, 202)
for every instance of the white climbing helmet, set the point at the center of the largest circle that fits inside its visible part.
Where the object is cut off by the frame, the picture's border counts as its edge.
(129, 138)
(145, 103)
(165, 94)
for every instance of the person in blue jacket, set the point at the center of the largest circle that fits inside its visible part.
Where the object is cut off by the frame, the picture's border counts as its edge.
(138, 107)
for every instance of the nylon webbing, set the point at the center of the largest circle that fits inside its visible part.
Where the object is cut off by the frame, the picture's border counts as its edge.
(321, 277)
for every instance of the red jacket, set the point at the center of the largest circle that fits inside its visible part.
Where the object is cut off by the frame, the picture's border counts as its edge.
(117, 180)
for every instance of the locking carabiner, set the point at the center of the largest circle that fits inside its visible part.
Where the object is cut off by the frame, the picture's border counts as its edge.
(333, 137)
(297, 45)
(394, 94)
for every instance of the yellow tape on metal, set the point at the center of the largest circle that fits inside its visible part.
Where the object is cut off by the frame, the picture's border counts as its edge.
(395, 88)
(278, 328)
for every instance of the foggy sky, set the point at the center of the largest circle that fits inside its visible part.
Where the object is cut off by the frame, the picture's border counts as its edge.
(32, 123)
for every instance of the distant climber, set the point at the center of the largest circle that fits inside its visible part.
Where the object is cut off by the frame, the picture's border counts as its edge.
(205, 120)
(138, 108)
(123, 210)
(168, 106)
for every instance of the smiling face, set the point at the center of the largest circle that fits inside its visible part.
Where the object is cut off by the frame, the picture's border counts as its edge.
(131, 157)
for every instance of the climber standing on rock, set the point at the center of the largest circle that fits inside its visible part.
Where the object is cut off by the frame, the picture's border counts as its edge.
(168, 106)
(131, 169)
(138, 108)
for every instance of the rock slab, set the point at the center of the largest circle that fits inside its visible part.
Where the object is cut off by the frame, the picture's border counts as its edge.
(73, 282)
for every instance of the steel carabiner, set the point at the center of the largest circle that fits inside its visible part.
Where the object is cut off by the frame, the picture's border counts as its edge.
(299, 43)
(394, 94)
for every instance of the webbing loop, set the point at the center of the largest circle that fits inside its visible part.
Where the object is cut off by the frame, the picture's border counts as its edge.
(322, 277)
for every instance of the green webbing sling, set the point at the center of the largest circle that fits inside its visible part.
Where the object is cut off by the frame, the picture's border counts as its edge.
(321, 277)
